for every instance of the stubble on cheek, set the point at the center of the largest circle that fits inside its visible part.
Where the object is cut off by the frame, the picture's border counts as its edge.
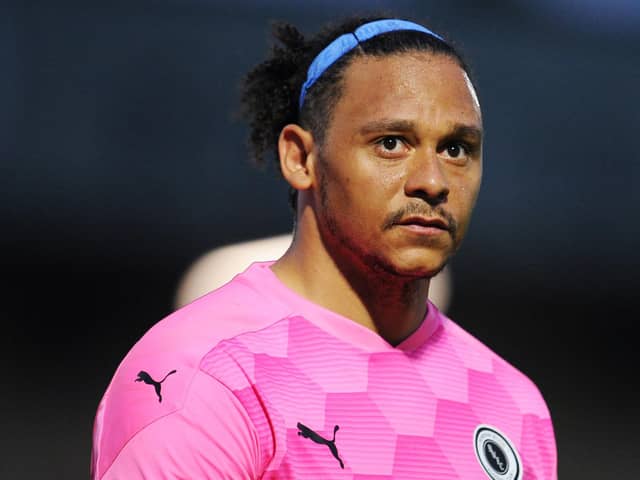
(329, 220)
(342, 239)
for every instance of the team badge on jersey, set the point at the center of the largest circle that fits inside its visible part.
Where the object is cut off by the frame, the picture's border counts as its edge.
(496, 453)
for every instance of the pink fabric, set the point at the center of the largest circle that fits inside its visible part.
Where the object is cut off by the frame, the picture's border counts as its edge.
(263, 378)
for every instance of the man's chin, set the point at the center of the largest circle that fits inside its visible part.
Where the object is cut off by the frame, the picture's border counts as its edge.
(425, 272)
(416, 268)
(422, 264)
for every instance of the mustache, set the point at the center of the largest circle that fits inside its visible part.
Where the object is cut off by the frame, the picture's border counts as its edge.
(424, 210)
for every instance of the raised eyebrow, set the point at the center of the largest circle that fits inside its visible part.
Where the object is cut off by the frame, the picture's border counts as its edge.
(387, 125)
(466, 131)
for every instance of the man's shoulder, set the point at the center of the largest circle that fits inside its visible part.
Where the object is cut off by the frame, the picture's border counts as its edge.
(184, 337)
(486, 368)
(156, 376)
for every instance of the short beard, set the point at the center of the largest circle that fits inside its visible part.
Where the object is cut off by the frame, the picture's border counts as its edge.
(339, 239)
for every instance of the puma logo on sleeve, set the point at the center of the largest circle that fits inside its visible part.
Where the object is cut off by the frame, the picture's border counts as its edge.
(306, 432)
(146, 378)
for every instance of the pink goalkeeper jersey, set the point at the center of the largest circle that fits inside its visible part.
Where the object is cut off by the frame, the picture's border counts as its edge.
(254, 382)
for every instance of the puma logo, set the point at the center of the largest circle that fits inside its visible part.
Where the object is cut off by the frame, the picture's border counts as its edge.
(306, 432)
(146, 378)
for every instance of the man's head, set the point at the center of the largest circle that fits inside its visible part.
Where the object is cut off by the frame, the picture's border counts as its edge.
(384, 146)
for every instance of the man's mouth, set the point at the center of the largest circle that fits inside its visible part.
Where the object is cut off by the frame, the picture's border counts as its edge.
(424, 223)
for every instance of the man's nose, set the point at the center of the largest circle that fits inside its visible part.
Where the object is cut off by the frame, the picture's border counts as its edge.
(426, 178)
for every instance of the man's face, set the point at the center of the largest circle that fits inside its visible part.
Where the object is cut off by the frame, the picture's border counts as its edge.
(401, 164)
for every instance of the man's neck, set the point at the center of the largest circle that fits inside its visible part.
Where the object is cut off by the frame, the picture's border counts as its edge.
(390, 305)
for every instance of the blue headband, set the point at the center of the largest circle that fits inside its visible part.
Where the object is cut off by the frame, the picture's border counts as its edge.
(347, 42)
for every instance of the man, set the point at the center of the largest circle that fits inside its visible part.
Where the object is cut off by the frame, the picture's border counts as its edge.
(330, 362)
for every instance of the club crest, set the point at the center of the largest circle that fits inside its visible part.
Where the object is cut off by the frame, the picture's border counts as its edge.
(496, 454)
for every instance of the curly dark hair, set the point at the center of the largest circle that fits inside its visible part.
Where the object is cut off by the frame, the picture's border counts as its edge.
(271, 90)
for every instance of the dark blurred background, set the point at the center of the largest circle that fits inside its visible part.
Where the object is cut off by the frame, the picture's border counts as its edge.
(122, 162)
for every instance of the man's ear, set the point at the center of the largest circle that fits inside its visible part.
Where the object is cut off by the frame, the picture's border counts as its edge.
(295, 148)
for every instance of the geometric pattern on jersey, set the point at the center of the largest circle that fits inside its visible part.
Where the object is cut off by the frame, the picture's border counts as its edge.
(269, 385)
(407, 414)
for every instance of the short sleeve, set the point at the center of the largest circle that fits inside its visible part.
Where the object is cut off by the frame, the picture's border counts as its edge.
(210, 437)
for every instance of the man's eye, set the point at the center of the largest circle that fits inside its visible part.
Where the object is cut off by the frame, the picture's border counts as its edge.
(391, 146)
(390, 143)
(455, 150)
